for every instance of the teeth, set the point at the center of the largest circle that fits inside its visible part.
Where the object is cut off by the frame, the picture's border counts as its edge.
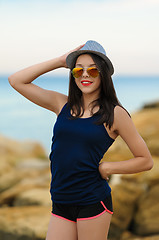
(86, 82)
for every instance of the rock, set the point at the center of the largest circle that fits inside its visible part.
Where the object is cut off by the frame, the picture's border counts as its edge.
(35, 196)
(32, 163)
(24, 223)
(13, 151)
(141, 207)
(153, 145)
(124, 196)
(129, 236)
(5, 166)
(25, 175)
(26, 184)
(155, 237)
(146, 220)
(9, 179)
(151, 105)
(152, 177)
(119, 151)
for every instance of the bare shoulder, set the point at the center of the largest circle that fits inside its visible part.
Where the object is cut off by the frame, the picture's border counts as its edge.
(121, 118)
(124, 126)
(113, 131)
(62, 100)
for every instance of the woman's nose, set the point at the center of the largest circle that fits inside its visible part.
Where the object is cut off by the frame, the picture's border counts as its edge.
(85, 73)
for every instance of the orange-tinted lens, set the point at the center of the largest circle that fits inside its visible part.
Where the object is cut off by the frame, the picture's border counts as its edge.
(77, 72)
(93, 72)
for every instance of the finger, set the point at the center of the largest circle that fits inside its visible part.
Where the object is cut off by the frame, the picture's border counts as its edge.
(79, 47)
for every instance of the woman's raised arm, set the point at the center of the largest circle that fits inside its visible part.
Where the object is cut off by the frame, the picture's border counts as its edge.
(21, 81)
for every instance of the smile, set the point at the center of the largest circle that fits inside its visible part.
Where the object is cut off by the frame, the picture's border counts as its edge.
(86, 83)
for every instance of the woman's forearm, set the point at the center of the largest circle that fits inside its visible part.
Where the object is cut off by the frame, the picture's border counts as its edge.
(134, 165)
(28, 74)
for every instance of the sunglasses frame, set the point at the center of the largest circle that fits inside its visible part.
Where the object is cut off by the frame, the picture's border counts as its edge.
(85, 68)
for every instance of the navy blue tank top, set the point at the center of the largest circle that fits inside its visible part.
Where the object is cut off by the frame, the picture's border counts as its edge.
(77, 147)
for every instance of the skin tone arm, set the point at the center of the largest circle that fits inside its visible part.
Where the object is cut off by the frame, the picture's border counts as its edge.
(21, 81)
(142, 160)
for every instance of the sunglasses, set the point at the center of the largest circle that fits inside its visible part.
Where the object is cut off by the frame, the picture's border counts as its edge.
(78, 71)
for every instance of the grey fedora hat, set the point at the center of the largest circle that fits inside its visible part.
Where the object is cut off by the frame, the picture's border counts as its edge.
(90, 47)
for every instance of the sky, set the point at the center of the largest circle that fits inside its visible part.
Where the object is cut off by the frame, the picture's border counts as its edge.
(33, 31)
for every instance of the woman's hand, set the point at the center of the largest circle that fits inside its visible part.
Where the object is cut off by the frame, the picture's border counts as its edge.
(103, 170)
(63, 57)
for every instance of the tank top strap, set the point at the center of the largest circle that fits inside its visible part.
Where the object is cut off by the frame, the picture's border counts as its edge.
(63, 110)
(66, 111)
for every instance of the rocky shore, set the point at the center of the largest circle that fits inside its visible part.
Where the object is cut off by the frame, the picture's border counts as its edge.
(24, 190)
(25, 203)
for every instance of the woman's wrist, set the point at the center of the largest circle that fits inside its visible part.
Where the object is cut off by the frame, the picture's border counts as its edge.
(62, 62)
(104, 170)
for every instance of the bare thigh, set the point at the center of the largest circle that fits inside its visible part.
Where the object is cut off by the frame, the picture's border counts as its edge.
(60, 229)
(94, 229)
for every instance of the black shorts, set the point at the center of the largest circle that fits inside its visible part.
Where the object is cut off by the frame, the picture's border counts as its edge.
(74, 212)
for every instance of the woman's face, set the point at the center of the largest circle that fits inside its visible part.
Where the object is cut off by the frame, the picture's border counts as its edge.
(86, 61)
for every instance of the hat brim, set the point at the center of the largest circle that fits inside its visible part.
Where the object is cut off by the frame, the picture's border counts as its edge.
(70, 60)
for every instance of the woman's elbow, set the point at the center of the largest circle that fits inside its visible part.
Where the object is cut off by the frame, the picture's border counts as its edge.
(13, 81)
(149, 164)
(10, 80)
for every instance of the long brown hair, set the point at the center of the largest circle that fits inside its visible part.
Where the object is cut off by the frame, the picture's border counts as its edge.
(106, 101)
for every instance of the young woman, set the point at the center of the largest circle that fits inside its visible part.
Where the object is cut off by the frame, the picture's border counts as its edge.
(88, 121)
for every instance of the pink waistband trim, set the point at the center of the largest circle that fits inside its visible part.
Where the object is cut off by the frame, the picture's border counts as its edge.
(62, 217)
(106, 208)
(92, 217)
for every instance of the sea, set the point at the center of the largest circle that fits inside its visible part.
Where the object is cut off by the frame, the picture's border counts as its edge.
(22, 120)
